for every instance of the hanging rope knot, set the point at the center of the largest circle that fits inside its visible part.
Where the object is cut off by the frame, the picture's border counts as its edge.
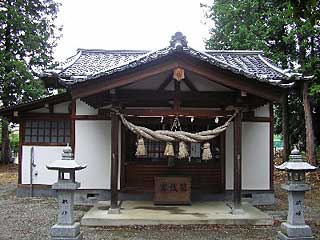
(178, 135)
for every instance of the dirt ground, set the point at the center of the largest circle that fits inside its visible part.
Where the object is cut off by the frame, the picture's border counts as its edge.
(26, 218)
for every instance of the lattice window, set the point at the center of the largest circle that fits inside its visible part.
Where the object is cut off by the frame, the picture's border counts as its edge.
(47, 131)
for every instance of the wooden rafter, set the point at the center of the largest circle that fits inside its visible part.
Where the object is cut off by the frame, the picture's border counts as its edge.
(165, 82)
(204, 113)
(189, 84)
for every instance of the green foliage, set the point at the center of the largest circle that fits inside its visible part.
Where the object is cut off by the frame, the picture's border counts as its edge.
(14, 142)
(287, 31)
(27, 37)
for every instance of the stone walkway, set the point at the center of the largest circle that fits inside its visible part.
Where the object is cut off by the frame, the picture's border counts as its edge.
(145, 213)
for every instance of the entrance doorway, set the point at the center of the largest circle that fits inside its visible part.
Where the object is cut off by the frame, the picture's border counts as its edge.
(137, 174)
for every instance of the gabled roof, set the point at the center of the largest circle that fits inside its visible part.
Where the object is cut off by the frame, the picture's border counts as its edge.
(91, 64)
(36, 103)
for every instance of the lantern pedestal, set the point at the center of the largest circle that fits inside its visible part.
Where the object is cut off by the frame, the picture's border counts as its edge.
(295, 227)
(66, 228)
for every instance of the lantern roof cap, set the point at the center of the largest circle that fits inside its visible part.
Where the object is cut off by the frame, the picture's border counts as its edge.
(67, 162)
(296, 163)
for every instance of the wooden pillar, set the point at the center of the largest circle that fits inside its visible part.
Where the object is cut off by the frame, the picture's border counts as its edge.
(285, 126)
(73, 125)
(114, 160)
(237, 161)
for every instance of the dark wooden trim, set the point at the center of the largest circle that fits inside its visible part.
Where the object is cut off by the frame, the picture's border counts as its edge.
(123, 158)
(73, 125)
(43, 144)
(29, 115)
(189, 84)
(271, 145)
(51, 108)
(91, 117)
(232, 80)
(21, 136)
(223, 160)
(124, 79)
(237, 184)
(256, 119)
(114, 160)
(285, 128)
(166, 82)
(177, 95)
(56, 99)
(182, 112)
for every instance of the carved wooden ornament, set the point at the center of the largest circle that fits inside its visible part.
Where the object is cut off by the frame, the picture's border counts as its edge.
(178, 74)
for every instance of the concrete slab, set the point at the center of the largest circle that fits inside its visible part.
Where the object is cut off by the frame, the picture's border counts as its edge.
(145, 213)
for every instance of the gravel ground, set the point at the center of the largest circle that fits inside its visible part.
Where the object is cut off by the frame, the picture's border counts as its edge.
(27, 218)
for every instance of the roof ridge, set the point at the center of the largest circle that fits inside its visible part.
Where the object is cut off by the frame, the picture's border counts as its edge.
(235, 51)
(113, 50)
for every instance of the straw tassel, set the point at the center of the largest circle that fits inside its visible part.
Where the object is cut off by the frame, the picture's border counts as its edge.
(183, 150)
(206, 153)
(168, 151)
(141, 148)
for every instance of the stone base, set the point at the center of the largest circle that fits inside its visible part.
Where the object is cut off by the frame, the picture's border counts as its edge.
(79, 237)
(67, 232)
(114, 211)
(238, 211)
(290, 231)
(281, 236)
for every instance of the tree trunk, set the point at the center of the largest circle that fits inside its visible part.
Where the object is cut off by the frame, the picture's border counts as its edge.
(310, 141)
(5, 147)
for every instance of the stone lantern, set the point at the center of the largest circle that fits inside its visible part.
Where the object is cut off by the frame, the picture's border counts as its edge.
(295, 226)
(66, 228)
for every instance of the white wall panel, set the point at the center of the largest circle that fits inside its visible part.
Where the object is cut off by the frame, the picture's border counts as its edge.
(42, 156)
(262, 111)
(61, 107)
(93, 147)
(84, 109)
(255, 155)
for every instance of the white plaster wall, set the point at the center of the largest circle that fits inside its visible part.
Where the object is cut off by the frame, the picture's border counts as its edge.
(61, 107)
(84, 109)
(263, 111)
(43, 155)
(255, 156)
(93, 147)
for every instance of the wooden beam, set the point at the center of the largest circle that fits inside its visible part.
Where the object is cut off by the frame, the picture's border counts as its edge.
(73, 125)
(177, 95)
(147, 98)
(114, 160)
(285, 128)
(232, 80)
(182, 112)
(237, 161)
(21, 139)
(271, 145)
(100, 84)
(190, 85)
(165, 83)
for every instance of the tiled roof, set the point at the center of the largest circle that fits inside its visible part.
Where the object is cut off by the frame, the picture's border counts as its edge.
(91, 64)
